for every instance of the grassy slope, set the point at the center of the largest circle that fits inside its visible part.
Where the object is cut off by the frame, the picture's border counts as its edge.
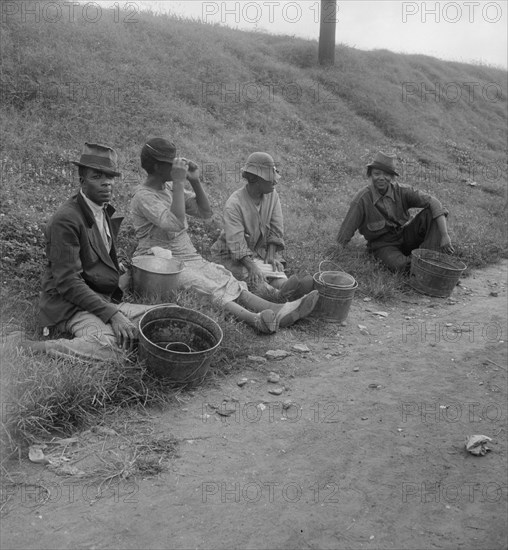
(165, 76)
(151, 77)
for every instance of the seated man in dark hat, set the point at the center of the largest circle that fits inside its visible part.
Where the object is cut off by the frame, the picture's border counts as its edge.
(80, 286)
(380, 212)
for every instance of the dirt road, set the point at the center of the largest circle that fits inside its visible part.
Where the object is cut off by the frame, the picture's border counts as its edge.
(370, 454)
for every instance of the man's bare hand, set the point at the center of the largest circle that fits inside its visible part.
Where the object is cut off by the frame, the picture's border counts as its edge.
(125, 331)
(193, 170)
(256, 276)
(179, 170)
(272, 260)
(446, 245)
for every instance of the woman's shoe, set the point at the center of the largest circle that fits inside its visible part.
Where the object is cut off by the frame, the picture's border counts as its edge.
(293, 311)
(266, 322)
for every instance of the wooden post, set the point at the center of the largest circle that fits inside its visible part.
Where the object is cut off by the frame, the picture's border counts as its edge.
(328, 24)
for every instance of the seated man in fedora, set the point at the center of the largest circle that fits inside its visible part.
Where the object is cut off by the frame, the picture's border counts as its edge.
(80, 286)
(380, 212)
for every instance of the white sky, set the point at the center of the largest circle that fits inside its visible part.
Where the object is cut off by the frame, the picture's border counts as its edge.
(469, 31)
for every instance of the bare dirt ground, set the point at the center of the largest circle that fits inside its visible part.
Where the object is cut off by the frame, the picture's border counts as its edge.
(370, 454)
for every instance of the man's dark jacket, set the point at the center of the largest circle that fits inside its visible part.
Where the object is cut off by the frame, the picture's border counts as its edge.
(80, 273)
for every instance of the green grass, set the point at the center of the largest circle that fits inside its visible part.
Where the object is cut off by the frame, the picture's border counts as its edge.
(221, 94)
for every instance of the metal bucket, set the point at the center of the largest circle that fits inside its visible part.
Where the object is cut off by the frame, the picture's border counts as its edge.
(334, 302)
(434, 273)
(339, 279)
(155, 278)
(178, 343)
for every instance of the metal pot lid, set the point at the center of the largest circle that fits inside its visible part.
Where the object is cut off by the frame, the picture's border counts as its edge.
(155, 264)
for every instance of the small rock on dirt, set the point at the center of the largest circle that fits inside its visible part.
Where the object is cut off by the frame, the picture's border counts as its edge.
(36, 454)
(273, 378)
(301, 348)
(477, 444)
(256, 359)
(494, 294)
(380, 313)
(286, 404)
(363, 330)
(275, 391)
(356, 369)
(242, 382)
(276, 354)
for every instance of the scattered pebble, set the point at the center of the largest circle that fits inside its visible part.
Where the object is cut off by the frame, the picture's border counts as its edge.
(363, 329)
(343, 324)
(275, 391)
(365, 417)
(356, 369)
(494, 294)
(380, 313)
(301, 348)
(273, 377)
(242, 382)
(367, 299)
(256, 359)
(374, 386)
(276, 354)
(286, 404)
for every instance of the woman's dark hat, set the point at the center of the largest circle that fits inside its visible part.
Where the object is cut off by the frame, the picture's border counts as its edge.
(99, 157)
(160, 149)
(384, 162)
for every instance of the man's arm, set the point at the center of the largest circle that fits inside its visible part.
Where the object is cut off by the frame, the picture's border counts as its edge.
(275, 237)
(446, 242)
(234, 232)
(418, 199)
(202, 201)
(350, 224)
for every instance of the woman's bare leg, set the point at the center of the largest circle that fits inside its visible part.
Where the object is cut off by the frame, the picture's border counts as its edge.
(285, 314)
(264, 321)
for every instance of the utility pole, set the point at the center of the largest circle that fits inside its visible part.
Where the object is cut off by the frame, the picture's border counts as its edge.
(327, 27)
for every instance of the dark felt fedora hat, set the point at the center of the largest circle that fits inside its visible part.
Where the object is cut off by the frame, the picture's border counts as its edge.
(99, 157)
(384, 162)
